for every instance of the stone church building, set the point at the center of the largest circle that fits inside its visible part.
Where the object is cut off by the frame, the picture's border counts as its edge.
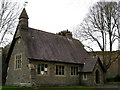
(38, 58)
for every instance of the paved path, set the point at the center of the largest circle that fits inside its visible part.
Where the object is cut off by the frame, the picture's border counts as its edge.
(108, 87)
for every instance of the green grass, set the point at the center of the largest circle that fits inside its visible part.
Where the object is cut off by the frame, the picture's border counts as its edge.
(0, 87)
(57, 88)
(15, 88)
(48, 88)
(12, 87)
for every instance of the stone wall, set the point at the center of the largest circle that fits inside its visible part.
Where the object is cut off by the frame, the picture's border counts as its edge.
(52, 79)
(88, 81)
(101, 75)
(22, 76)
(91, 77)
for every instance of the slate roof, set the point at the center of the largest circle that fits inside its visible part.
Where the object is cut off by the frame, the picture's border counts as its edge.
(45, 46)
(51, 47)
(89, 64)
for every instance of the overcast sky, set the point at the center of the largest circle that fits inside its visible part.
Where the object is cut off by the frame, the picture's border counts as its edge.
(57, 15)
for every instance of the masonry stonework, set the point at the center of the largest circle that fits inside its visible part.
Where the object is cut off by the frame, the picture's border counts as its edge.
(17, 77)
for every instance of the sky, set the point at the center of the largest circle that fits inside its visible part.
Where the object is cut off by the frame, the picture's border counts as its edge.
(57, 15)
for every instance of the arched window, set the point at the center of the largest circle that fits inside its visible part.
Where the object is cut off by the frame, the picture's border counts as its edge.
(97, 76)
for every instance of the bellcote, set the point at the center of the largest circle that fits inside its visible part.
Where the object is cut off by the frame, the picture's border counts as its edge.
(23, 19)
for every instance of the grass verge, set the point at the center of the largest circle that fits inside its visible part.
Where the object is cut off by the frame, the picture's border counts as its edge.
(48, 88)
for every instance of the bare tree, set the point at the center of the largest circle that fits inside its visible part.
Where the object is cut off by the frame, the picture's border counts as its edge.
(9, 12)
(101, 26)
(119, 25)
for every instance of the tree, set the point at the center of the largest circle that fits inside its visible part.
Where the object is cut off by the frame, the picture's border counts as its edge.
(63, 33)
(101, 27)
(119, 24)
(9, 12)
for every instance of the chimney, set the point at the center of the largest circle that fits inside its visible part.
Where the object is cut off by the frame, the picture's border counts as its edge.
(68, 35)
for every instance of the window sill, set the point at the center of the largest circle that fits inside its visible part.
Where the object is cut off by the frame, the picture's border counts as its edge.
(74, 75)
(18, 69)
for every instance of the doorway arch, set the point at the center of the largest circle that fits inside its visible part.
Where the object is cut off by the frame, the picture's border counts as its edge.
(97, 76)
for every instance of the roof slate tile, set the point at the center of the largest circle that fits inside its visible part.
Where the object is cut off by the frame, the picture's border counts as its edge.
(51, 47)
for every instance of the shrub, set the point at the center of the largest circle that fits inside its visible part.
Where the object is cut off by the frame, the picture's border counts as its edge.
(115, 79)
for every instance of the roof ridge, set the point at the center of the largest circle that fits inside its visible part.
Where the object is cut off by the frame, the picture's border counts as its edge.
(49, 33)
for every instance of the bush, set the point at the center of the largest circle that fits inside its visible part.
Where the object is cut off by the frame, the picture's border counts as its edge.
(115, 79)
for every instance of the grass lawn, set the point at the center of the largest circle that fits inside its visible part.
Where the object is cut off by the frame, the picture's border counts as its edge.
(58, 88)
(48, 88)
